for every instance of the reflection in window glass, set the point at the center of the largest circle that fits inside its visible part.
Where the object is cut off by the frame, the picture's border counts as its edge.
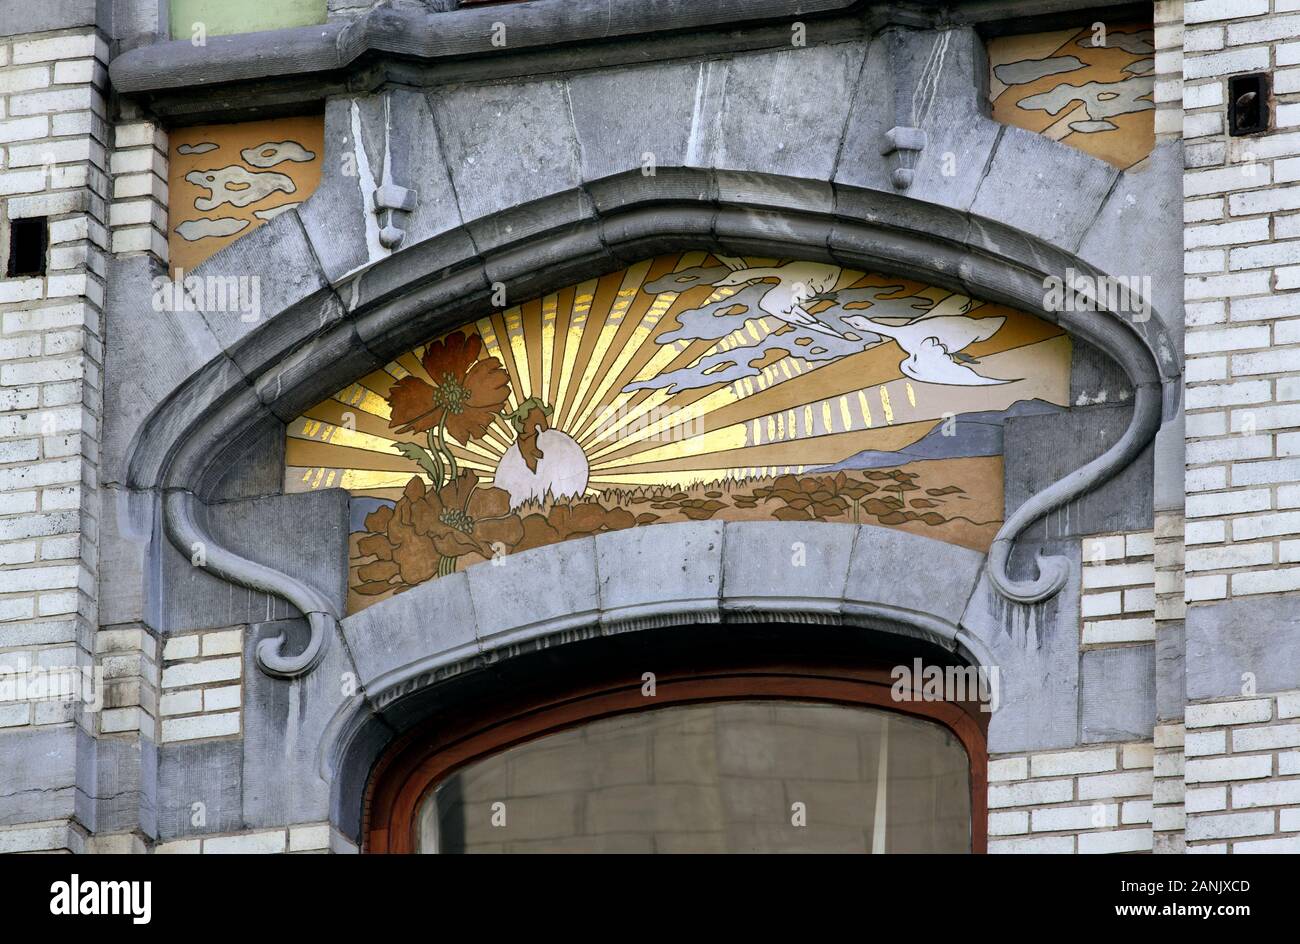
(757, 776)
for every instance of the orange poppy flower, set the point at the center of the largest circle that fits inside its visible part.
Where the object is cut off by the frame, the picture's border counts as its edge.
(466, 391)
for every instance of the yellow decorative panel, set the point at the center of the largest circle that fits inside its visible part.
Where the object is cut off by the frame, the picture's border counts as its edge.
(1089, 88)
(227, 180)
(687, 387)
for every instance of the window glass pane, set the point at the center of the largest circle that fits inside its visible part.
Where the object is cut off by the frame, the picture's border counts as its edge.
(756, 776)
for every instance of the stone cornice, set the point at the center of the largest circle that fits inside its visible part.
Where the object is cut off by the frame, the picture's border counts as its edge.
(283, 70)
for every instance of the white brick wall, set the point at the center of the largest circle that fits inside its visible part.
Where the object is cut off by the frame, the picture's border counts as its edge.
(1093, 799)
(306, 837)
(1243, 775)
(138, 215)
(1119, 588)
(1242, 264)
(202, 689)
(53, 163)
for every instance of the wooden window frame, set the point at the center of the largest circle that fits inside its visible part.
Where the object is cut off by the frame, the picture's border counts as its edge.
(418, 761)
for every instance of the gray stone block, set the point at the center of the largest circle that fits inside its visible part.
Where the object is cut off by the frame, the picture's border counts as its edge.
(1139, 233)
(208, 773)
(1045, 188)
(540, 592)
(1171, 669)
(343, 235)
(304, 535)
(784, 112)
(120, 778)
(427, 628)
(1117, 694)
(284, 725)
(506, 144)
(1036, 651)
(651, 570)
(123, 553)
(1040, 449)
(316, 370)
(899, 570)
(289, 283)
(789, 566)
(18, 17)
(147, 354)
(948, 65)
(1249, 641)
(1095, 378)
(250, 467)
(626, 117)
(415, 154)
(38, 778)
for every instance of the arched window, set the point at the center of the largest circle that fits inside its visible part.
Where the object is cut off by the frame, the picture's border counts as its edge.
(768, 758)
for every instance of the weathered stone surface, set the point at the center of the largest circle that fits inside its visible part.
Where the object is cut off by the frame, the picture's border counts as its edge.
(550, 588)
(506, 144)
(1139, 233)
(1171, 670)
(251, 466)
(122, 785)
(1232, 643)
(123, 556)
(654, 114)
(427, 628)
(1036, 650)
(284, 724)
(38, 779)
(1117, 694)
(1045, 188)
(304, 535)
(147, 354)
(645, 572)
(288, 279)
(200, 786)
(787, 566)
(783, 112)
(1095, 378)
(342, 234)
(1043, 448)
(885, 569)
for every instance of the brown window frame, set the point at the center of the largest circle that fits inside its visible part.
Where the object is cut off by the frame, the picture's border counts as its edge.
(418, 761)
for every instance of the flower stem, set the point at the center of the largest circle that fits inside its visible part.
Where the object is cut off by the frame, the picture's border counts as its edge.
(436, 455)
(442, 441)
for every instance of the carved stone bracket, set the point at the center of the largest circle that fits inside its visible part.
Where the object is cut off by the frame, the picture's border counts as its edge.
(391, 198)
(902, 145)
(186, 532)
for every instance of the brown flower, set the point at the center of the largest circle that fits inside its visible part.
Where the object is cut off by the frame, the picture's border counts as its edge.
(578, 520)
(461, 518)
(405, 557)
(466, 392)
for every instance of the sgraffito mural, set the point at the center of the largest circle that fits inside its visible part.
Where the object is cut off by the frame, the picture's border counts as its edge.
(687, 387)
(1089, 88)
(227, 180)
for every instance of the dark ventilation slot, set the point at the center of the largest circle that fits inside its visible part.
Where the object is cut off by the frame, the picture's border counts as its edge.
(1248, 104)
(28, 240)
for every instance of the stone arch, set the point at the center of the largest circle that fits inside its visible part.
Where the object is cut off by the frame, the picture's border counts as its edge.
(712, 578)
(326, 335)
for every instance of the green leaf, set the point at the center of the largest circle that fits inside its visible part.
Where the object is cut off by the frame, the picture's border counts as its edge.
(419, 455)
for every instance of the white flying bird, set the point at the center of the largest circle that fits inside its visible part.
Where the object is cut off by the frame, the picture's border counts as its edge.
(800, 281)
(931, 345)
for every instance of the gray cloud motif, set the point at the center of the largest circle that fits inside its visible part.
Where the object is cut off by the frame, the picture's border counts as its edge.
(276, 152)
(201, 148)
(237, 186)
(1031, 70)
(202, 228)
